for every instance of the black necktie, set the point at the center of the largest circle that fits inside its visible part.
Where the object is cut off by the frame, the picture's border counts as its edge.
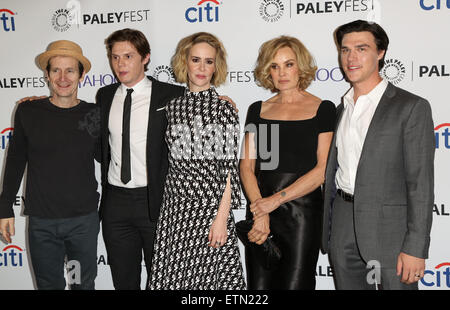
(125, 173)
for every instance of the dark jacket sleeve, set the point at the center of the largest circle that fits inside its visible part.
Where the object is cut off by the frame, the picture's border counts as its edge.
(16, 161)
(419, 148)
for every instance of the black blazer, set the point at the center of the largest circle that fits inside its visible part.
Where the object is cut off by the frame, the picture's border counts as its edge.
(157, 151)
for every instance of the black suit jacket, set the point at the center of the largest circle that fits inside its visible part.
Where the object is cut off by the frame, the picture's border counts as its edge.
(157, 152)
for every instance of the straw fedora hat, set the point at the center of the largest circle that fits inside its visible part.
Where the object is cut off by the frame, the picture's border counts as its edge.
(63, 48)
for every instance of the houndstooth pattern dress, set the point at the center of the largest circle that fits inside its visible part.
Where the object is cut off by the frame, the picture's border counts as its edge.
(202, 136)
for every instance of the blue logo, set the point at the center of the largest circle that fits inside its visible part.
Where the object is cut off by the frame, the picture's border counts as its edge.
(7, 20)
(442, 137)
(9, 257)
(98, 80)
(437, 278)
(206, 13)
(6, 135)
(429, 5)
(334, 74)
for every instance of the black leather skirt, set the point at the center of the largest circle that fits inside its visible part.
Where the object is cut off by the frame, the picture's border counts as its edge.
(296, 227)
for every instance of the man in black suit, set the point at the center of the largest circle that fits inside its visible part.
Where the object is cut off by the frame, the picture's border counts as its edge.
(134, 156)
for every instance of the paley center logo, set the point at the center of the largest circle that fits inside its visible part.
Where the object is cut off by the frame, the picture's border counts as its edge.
(64, 18)
(7, 20)
(116, 17)
(23, 82)
(393, 71)
(11, 256)
(6, 135)
(271, 10)
(203, 12)
(442, 136)
(429, 5)
(343, 6)
(439, 277)
(433, 71)
(164, 73)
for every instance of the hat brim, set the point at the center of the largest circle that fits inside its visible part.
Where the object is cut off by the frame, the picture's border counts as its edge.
(44, 58)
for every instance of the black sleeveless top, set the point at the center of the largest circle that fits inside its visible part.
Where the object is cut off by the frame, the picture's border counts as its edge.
(288, 146)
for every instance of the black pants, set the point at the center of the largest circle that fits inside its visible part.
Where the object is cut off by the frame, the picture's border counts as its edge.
(51, 240)
(127, 232)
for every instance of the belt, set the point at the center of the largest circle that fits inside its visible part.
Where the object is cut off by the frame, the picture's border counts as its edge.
(346, 196)
(127, 190)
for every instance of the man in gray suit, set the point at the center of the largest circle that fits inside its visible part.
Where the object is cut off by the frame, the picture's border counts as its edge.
(379, 182)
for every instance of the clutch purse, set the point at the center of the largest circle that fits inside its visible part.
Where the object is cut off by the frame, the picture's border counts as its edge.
(268, 253)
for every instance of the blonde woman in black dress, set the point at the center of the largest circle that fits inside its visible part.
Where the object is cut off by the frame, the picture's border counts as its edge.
(283, 190)
(196, 246)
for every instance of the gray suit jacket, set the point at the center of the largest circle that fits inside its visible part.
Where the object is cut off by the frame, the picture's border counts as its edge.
(394, 186)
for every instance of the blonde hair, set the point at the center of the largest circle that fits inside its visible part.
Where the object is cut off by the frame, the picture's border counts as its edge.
(305, 62)
(179, 60)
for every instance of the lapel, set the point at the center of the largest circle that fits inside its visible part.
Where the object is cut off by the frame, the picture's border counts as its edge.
(332, 156)
(376, 125)
(339, 113)
(156, 96)
(104, 98)
(106, 104)
(156, 120)
(155, 102)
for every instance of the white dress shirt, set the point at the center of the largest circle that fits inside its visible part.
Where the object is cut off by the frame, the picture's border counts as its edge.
(352, 132)
(140, 105)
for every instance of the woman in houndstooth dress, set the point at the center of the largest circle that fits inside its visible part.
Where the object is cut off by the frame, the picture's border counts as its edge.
(196, 245)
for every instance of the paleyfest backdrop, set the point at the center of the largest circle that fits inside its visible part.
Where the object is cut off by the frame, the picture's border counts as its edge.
(418, 60)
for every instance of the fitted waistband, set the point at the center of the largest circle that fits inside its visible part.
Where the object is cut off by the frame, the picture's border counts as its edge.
(346, 196)
(125, 190)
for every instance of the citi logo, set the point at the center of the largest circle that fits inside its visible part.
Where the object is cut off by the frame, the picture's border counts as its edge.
(442, 136)
(6, 135)
(11, 256)
(7, 18)
(437, 277)
(429, 5)
(203, 13)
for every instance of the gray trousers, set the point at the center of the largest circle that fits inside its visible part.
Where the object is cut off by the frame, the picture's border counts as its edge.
(349, 268)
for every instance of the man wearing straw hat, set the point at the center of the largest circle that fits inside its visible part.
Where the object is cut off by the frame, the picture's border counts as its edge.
(57, 139)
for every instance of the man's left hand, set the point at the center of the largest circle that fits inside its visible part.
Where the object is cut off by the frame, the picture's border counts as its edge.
(410, 268)
(230, 101)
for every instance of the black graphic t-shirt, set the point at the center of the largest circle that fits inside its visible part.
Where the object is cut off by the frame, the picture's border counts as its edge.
(58, 146)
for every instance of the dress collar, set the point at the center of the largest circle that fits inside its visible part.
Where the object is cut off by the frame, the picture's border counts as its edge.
(208, 93)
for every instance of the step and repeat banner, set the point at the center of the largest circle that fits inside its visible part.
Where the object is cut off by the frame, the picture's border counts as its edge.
(418, 60)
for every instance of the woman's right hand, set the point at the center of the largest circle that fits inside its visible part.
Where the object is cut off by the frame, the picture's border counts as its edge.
(260, 230)
(31, 98)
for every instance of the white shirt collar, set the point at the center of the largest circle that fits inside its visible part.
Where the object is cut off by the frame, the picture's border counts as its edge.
(141, 85)
(373, 96)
